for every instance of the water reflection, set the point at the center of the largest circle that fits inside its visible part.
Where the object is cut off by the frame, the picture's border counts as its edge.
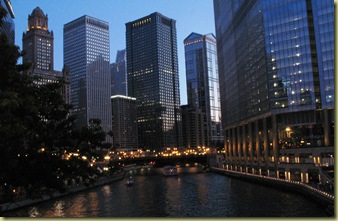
(186, 195)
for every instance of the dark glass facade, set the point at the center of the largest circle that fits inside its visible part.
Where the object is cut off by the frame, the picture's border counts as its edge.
(152, 72)
(8, 26)
(118, 72)
(276, 82)
(86, 54)
(202, 83)
(124, 121)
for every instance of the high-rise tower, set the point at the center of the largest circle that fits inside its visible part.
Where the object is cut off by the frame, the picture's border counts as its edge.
(38, 42)
(276, 70)
(8, 26)
(118, 72)
(152, 71)
(86, 53)
(202, 83)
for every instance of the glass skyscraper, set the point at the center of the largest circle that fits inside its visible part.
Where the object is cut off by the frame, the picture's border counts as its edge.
(202, 83)
(86, 53)
(276, 70)
(8, 26)
(152, 72)
(118, 72)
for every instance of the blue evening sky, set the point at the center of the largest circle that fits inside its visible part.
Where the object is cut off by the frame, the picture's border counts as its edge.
(190, 15)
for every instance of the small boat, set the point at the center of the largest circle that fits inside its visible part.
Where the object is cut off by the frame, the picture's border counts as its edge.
(169, 171)
(130, 181)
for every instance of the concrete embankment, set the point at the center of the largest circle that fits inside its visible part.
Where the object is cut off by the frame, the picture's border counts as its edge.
(324, 198)
(4, 207)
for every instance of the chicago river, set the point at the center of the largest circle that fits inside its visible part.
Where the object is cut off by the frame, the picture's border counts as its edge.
(185, 195)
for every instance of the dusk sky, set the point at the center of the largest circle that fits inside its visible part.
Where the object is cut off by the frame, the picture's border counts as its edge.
(190, 15)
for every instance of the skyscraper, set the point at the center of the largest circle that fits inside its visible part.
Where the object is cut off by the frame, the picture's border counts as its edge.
(118, 72)
(124, 121)
(202, 83)
(38, 45)
(38, 42)
(86, 53)
(276, 70)
(152, 71)
(8, 26)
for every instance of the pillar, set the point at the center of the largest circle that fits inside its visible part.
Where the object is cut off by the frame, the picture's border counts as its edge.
(275, 139)
(250, 143)
(239, 143)
(326, 126)
(266, 144)
(258, 154)
(244, 146)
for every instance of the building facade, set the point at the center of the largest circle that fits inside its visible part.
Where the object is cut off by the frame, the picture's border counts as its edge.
(193, 128)
(118, 72)
(124, 121)
(202, 83)
(38, 44)
(8, 26)
(152, 72)
(276, 71)
(86, 54)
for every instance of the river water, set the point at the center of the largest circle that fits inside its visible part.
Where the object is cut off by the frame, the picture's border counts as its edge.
(186, 195)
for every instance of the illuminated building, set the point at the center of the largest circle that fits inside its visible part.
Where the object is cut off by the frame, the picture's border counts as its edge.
(86, 53)
(8, 26)
(202, 83)
(38, 44)
(152, 72)
(276, 71)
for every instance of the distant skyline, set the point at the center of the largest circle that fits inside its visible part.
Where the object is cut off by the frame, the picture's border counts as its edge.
(190, 15)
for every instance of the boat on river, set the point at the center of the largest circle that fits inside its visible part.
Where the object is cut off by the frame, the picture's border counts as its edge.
(169, 170)
(130, 181)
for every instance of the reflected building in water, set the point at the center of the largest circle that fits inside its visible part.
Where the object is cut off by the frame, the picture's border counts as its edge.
(86, 53)
(276, 70)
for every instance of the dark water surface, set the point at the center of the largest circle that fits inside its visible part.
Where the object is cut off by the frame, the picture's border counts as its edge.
(186, 195)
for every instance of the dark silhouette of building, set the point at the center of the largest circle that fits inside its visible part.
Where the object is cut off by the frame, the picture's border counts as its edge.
(124, 121)
(193, 128)
(118, 72)
(153, 80)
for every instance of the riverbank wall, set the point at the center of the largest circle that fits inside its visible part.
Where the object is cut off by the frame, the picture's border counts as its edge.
(4, 207)
(324, 198)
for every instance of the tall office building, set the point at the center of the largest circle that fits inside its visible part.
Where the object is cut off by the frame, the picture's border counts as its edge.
(8, 26)
(202, 83)
(276, 70)
(193, 128)
(38, 44)
(118, 72)
(124, 121)
(152, 71)
(86, 53)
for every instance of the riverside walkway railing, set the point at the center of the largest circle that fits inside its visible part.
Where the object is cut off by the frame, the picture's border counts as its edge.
(323, 194)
